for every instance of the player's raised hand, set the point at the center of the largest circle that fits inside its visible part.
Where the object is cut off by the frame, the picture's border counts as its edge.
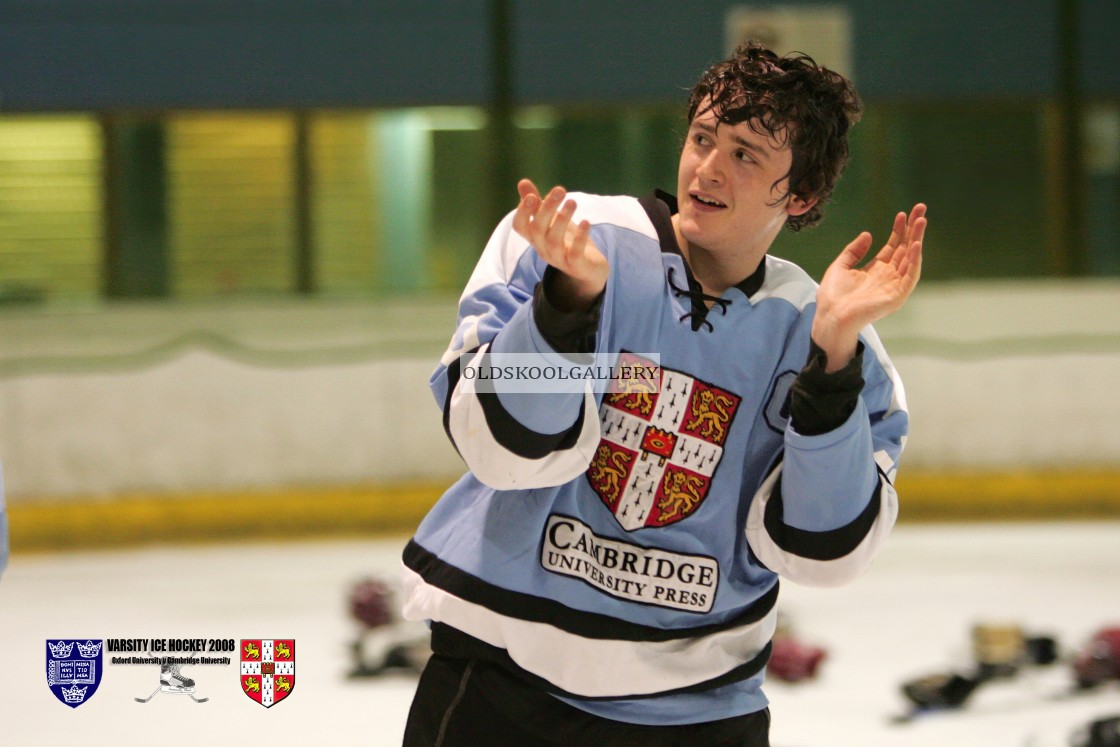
(546, 223)
(851, 297)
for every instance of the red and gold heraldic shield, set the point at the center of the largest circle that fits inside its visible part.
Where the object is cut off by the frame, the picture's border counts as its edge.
(268, 669)
(661, 442)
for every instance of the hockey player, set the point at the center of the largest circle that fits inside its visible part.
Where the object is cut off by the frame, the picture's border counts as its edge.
(607, 571)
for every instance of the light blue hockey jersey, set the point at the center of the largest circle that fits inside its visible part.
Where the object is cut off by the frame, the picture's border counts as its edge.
(623, 549)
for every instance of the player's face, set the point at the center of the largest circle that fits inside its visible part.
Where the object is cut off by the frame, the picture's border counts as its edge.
(730, 185)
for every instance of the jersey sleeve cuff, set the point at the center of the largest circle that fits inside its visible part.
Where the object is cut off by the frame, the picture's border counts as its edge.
(564, 331)
(820, 401)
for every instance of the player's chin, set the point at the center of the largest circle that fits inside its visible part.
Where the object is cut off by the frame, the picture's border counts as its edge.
(692, 229)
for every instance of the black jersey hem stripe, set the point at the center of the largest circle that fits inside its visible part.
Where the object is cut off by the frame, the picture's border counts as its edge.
(829, 545)
(529, 608)
(449, 641)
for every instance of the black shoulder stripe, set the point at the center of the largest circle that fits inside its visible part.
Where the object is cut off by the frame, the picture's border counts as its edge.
(522, 441)
(659, 207)
(538, 609)
(449, 641)
(830, 545)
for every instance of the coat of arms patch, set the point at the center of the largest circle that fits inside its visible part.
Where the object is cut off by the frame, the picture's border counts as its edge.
(74, 669)
(661, 443)
(268, 669)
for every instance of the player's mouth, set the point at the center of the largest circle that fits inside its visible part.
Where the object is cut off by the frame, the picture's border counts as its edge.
(704, 203)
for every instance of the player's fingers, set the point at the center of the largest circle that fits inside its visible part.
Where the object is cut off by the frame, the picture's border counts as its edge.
(855, 251)
(557, 232)
(903, 266)
(918, 228)
(550, 203)
(534, 215)
(579, 235)
(898, 232)
(917, 213)
(523, 215)
(525, 187)
(521, 219)
(910, 267)
(907, 229)
(915, 269)
(915, 234)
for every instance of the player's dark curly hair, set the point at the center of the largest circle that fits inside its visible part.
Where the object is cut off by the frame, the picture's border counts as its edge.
(787, 96)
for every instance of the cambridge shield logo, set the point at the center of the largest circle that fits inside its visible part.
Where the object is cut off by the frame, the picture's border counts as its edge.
(268, 669)
(660, 445)
(73, 669)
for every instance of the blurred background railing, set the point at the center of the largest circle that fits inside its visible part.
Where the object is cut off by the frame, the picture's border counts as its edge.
(232, 233)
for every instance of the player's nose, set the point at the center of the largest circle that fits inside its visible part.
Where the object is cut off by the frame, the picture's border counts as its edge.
(710, 167)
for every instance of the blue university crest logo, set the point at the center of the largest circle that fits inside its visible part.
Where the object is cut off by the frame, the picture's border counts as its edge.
(73, 669)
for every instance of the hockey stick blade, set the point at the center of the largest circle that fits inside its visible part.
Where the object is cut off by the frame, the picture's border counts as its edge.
(145, 700)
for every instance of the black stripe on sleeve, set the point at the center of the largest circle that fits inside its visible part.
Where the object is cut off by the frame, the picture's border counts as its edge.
(523, 441)
(507, 431)
(830, 545)
(531, 608)
(454, 370)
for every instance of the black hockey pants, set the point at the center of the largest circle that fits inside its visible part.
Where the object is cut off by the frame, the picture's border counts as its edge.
(474, 703)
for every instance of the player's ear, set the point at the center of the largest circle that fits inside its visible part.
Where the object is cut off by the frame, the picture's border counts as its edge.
(798, 205)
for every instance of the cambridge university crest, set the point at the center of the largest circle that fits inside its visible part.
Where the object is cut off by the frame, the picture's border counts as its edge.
(661, 443)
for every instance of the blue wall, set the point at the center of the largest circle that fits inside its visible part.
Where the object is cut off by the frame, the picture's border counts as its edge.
(99, 54)
(152, 54)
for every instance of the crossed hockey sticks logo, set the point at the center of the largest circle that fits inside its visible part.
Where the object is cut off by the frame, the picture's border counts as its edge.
(172, 680)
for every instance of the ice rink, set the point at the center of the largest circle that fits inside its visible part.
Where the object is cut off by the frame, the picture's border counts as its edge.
(910, 615)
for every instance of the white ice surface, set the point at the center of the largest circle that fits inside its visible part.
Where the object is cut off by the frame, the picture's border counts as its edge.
(910, 615)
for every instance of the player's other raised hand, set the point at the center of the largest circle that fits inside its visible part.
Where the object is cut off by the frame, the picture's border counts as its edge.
(851, 297)
(546, 223)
